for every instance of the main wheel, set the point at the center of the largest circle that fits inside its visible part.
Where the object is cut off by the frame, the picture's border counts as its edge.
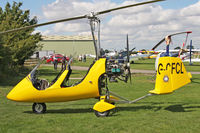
(39, 108)
(102, 114)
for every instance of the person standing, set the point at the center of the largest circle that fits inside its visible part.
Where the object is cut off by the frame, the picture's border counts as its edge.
(84, 58)
(55, 62)
(168, 41)
(64, 62)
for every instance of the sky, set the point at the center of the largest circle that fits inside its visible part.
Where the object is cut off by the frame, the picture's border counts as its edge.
(146, 25)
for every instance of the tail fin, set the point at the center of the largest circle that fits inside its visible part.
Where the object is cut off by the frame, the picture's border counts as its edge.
(171, 75)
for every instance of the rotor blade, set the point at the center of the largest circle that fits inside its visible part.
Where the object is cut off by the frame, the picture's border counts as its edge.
(70, 61)
(75, 18)
(133, 49)
(187, 32)
(43, 24)
(158, 44)
(122, 7)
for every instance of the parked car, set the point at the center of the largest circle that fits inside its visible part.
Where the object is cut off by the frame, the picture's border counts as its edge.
(58, 57)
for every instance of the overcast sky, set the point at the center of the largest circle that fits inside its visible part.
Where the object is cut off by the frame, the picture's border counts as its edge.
(146, 24)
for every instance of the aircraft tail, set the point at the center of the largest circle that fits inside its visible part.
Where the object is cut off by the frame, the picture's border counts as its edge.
(171, 75)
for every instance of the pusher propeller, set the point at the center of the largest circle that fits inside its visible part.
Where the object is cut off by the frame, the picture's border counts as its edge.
(128, 58)
(90, 16)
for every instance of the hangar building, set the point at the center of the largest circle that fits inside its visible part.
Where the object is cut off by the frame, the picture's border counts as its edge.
(68, 45)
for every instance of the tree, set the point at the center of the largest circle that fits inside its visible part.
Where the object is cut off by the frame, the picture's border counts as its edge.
(20, 45)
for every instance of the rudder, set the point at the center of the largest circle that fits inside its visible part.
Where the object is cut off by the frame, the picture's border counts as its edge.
(171, 75)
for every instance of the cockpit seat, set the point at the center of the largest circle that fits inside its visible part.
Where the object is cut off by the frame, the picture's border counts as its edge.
(44, 84)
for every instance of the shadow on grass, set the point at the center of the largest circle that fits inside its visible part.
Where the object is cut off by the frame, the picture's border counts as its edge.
(176, 108)
(88, 110)
(171, 108)
(68, 111)
(136, 108)
(173, 103)
(180, 108)
(193, 80)
(65, 111)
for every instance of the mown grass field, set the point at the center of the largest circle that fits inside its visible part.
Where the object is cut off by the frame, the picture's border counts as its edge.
(173, 113)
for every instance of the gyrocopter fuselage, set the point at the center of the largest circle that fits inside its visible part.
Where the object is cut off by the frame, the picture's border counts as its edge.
(32, 89)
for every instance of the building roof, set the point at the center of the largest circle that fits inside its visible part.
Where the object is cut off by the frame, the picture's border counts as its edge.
(66, 38)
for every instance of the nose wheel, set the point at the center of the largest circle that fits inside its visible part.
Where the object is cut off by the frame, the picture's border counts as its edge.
(39, 108)
(102, 114)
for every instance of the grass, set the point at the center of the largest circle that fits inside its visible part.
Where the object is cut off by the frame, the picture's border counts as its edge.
(194, 67)
(80, 63)
(147, 64)
(175, 113)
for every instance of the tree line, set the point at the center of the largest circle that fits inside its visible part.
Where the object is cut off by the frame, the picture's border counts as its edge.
(16, 47)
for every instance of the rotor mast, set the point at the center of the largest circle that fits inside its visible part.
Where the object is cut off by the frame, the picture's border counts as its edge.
(95, 20)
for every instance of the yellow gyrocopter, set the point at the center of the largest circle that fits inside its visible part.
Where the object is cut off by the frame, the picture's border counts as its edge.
(171, 75)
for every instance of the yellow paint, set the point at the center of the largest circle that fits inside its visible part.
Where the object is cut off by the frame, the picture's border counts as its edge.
(189, 75)
(111, 99)
(171, 68)
(153, 56)
(24, 91)
(103, 105)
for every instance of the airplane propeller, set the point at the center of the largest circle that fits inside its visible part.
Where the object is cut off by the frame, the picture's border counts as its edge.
(128, 58)
(90, 16)
(187, 32)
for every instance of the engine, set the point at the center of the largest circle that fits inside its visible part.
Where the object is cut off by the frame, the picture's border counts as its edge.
(116, 69)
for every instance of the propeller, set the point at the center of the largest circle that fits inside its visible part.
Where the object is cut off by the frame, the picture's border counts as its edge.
(90, 16)
(187, 32)
(69, 63)
(133, 49)
(182, 49)
(128, 58)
